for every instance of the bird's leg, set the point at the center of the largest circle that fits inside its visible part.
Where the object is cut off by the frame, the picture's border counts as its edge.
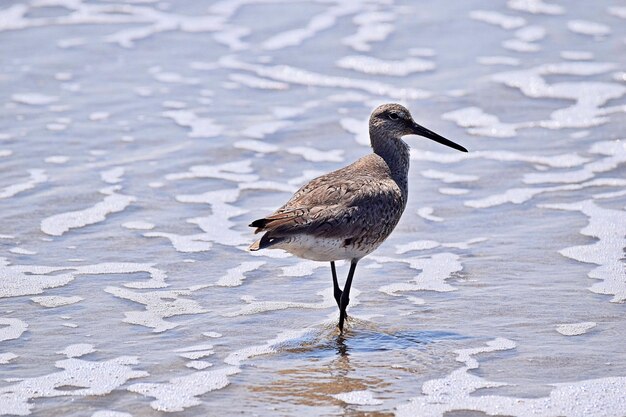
(337, 291)
(345, 294)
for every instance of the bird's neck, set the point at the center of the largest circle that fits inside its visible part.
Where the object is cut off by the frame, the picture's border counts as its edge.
(396, 153)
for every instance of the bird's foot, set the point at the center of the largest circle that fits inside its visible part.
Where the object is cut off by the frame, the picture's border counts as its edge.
(343, 318)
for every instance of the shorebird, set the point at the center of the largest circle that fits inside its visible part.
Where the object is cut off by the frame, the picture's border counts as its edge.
(348, 213)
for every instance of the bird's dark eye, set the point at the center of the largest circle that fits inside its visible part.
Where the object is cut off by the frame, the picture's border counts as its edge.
(394, 116)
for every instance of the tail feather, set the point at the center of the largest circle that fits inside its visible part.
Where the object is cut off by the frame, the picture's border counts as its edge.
(260, 223)
(275, 220)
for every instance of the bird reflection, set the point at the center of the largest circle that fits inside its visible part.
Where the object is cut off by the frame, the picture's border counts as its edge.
(342, 348)
(314, 372)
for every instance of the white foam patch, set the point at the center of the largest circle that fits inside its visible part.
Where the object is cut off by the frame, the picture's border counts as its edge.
(518, 45)
(575, 329)
(318, 23)
(110, 413)
(417, 245)
(498, 19)
(315, 155)
(609, 227)
(174, 104)
(185, 243)
(56, 127)
(238, 171)
(199, 365)
(52, 301)
(618, 11)
(577, 55)
(174, 78)
(20, 280)
(212, 334)
(59, 224)
(531, 33)
(267, 185)
(613, 194)
(372, 26)
(256, 146)
(580, 134)
(425, 52)
(370, 65)
(22, 251)
(112, 176)
(236, 358)
(458, 392)
(37, 176)
(256, 307)
(261, 130)
(589, 96)
(301, 269)
(231, 36)
(586, 27)
(358, 398)
(448, 177)
(480, 123)
(85, 378)
(498, 60)
(218, 227)
(615, 155)
(257, 82)
(293, 75)
(522, 195)
(5, 152)
(435, 270)
(98, 116)
(11, 328)
(57, 159)
(420, 245)
(536, 7)
(33, 99)
(307, 175)
(568, 160)
(159, 306)
(453, 191)
(7, 357)
(201, 127)
(182, 392)
(138, 225)
(235, 276)
(78, 350)
(427, 213)
(359, 128)
(196, 352)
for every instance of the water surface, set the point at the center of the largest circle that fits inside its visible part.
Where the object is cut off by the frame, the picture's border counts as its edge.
(138, 140)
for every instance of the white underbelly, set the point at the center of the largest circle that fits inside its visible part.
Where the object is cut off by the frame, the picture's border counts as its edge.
(323, 249)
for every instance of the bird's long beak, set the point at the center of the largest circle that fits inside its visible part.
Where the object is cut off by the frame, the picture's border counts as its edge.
(422, 131)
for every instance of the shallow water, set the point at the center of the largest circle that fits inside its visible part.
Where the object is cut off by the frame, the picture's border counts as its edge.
(138, 140)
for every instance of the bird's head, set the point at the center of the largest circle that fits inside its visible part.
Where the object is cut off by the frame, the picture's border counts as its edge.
(395, 120)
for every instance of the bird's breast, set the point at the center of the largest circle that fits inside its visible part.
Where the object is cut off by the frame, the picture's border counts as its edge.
(326, 249)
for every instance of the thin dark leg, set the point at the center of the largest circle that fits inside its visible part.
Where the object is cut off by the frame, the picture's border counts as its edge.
(337, 291)
(345, 294)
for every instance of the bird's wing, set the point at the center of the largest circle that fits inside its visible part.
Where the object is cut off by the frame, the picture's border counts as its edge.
(334, 206)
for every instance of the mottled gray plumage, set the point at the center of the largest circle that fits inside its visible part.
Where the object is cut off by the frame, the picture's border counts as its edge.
(348, 213)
